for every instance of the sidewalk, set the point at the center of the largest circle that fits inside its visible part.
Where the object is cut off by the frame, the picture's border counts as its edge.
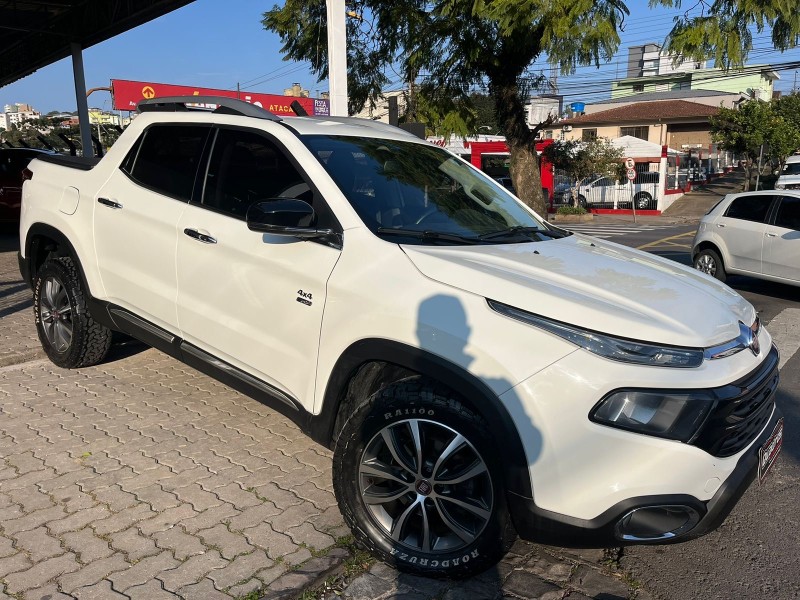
(694, 205)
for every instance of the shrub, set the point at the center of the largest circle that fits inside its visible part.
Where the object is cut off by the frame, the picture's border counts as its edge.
(571, 210)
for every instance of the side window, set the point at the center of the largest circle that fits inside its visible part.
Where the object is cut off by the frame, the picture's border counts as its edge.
(789, 213)
(167, 159)
(245, 168)
(749, 208)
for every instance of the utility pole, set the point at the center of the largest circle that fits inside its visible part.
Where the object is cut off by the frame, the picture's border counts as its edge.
(337, 57)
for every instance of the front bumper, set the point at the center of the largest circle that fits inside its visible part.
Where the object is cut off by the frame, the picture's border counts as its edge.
(536, 524)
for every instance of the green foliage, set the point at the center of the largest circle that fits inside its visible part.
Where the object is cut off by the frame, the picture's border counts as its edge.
(579, 160)
(723, 29)
(456, 46)
(571, 210)
(755, 123)
(29, 133)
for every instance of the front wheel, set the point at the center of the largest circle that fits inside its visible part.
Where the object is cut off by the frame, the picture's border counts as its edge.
(418, 479)
(69, 335)
(709, 262)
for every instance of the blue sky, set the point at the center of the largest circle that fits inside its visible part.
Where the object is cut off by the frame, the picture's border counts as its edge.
(211, 43)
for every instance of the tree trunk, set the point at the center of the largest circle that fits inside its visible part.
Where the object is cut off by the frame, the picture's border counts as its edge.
(527, 178)
(520, 138)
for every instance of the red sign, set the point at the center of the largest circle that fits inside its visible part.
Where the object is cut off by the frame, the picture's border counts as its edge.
(127, 95)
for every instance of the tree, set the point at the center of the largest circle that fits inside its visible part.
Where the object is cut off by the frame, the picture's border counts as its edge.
(723, 30)
(457, 46)
(579, 160)
(757, 126)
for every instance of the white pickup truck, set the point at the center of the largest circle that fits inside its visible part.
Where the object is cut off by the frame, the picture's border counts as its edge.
(477, 372)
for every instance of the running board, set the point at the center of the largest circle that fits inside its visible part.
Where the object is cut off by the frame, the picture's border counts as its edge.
(232, 376)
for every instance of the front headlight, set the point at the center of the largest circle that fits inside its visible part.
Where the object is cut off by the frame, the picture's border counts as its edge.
(674, 415)
(607, 346)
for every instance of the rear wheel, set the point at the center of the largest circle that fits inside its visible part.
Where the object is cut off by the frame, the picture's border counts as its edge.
(642, 200)
(418, 479)
(709, 262)
(69, 335)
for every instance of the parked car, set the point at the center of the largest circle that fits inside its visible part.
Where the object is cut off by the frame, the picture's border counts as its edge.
(789, 178)
(13, 162)
(603, 191)
(477, 372)
(754, 233)
(506, 182)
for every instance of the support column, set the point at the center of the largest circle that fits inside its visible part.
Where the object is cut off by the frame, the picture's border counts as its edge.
(80, 97)
(337, 58)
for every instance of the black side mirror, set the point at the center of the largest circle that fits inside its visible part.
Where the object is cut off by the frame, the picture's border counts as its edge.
(285, 216)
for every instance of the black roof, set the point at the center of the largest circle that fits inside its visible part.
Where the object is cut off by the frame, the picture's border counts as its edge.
(35, 33)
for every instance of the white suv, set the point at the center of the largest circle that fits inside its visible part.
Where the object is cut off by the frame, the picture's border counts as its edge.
(477, 372)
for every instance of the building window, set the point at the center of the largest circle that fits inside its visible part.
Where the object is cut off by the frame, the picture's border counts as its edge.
(638, 88)
(587, 135)
(638, 132)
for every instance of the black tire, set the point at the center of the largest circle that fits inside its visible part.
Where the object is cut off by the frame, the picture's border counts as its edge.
(709, 262)
(438, 414)
(59, 307)
(642, 200)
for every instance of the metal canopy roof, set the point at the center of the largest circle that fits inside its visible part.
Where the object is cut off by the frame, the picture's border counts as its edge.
(36, 33)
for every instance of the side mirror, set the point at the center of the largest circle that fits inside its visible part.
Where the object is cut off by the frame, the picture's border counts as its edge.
(284, 216)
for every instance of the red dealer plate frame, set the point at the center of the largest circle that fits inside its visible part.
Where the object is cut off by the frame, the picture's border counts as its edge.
(769, 451)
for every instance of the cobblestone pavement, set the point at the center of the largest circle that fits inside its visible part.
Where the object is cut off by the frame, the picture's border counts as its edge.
(142, 478)
(528, 572)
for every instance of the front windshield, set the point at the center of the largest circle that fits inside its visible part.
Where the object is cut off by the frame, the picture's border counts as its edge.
(413, 187)
(792, 168)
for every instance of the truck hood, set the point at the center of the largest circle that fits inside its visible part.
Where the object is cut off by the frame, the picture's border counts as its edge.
(596, 285)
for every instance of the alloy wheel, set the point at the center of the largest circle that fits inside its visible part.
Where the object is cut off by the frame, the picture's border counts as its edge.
(706, 264)
(56, 314)
(426, 486)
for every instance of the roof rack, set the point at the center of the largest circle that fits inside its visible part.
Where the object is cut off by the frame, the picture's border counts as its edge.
(224, 105)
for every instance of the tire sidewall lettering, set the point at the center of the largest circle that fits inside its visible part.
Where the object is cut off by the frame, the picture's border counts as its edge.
(435, 563)
(409, 412)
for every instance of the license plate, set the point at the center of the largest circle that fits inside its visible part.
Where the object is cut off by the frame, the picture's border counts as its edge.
(770, 450)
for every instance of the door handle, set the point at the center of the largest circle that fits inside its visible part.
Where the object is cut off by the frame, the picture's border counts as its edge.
(720, 224)
(200, 237)
(771, 234)
(109, 203)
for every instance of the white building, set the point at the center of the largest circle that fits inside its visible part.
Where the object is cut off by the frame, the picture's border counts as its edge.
(16, 114)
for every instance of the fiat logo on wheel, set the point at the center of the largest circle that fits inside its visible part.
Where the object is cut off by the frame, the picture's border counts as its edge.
(424, 487)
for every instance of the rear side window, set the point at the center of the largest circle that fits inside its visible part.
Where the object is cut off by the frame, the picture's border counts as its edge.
(167, 159)
(749, 208)
(789, 213)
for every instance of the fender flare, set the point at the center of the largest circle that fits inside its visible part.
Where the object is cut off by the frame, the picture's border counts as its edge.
(479, 395)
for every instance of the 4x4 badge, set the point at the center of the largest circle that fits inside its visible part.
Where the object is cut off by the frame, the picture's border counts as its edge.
(304, 297)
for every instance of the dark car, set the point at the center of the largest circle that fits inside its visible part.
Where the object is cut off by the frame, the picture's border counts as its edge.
(12, 162)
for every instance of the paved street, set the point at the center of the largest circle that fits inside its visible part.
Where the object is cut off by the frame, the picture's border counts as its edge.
(142, 478)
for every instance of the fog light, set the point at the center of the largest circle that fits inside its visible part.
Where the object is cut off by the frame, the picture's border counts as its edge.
(653, 523)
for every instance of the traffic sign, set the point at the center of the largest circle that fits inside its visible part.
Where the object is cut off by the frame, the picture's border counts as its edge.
(629, 163)
(631, 174)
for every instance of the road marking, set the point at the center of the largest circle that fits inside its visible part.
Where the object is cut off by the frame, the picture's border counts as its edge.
(785, 331)
(664, 240)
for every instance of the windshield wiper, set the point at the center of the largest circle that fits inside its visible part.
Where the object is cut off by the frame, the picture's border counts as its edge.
(430, 235)
(522, 230)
